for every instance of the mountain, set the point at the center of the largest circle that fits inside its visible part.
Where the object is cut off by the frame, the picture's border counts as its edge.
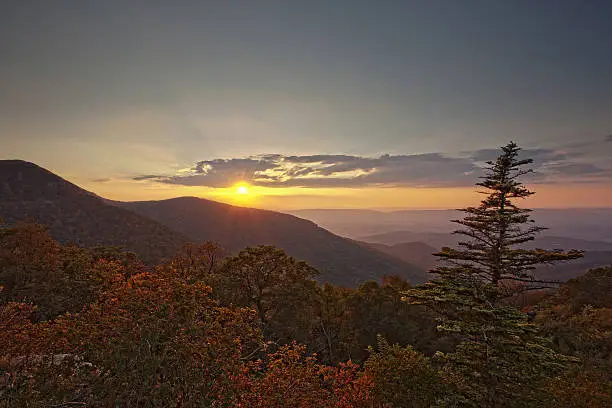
(597, 253)
(434, 239)
(438, 240)
(593, 224)
(340, 260)
(31, 193)
(555, 242)
(416, 253)
(156, 229)
(564, 271)
(421, 254)
(358, 223)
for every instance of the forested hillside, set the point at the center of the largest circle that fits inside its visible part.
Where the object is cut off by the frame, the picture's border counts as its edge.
(31, 193)
(340, 260)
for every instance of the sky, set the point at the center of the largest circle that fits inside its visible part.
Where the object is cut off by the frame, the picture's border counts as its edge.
(310, 104)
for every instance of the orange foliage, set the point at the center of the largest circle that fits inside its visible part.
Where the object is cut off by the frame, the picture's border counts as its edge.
(154, 338)
(289, 378)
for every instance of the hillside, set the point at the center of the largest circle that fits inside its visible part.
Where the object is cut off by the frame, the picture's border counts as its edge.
(31, 193)
(591, 224)
(417, 253)
(340, 260)
(156, 229)
(357, 223)
(421, 254)
(597, 253)
(438, 240)
(434, 239)
(569, 270)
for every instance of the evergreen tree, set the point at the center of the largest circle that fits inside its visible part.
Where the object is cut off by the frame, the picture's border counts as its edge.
(500, 361)
(496, 229)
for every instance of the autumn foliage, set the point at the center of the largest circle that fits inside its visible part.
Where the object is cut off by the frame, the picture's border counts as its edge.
(154, 338)
(162, 337)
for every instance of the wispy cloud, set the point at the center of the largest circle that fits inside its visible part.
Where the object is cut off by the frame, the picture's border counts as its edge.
(149, 177)
(102, 180)
(539, 156)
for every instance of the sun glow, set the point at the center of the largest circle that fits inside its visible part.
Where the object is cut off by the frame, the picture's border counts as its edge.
(242, 189)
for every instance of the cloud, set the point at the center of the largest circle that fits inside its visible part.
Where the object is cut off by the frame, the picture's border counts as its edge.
(575, 169)
(419, 170)
(579, 162)
(609, 138)
(149, 177)
(575, 172)
(102, 180)
(223, 172)
(539, 156)
(275, 170)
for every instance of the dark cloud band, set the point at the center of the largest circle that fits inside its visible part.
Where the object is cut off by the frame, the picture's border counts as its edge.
(421, 170)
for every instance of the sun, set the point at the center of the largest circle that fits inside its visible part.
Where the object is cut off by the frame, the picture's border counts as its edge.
(242, 189)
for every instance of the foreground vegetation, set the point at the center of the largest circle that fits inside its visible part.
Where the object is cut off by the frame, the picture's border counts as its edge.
(96, 327)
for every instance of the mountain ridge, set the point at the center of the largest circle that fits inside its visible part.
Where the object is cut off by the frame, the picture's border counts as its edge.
(202, 219)
(418, 253)
(438, 240)
(30, 192)
(592, 224)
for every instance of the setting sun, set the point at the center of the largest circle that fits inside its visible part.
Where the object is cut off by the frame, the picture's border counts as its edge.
(242, 189)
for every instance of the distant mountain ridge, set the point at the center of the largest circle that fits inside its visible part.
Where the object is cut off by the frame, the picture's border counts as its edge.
(438, 240)
(434, 239)
(397, 232)
(591, 224)
(421, 254)
(156, 229)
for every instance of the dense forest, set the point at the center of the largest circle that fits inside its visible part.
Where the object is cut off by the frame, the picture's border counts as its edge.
(98, 327)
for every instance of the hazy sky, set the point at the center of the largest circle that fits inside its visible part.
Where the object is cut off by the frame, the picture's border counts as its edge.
(313, 103)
